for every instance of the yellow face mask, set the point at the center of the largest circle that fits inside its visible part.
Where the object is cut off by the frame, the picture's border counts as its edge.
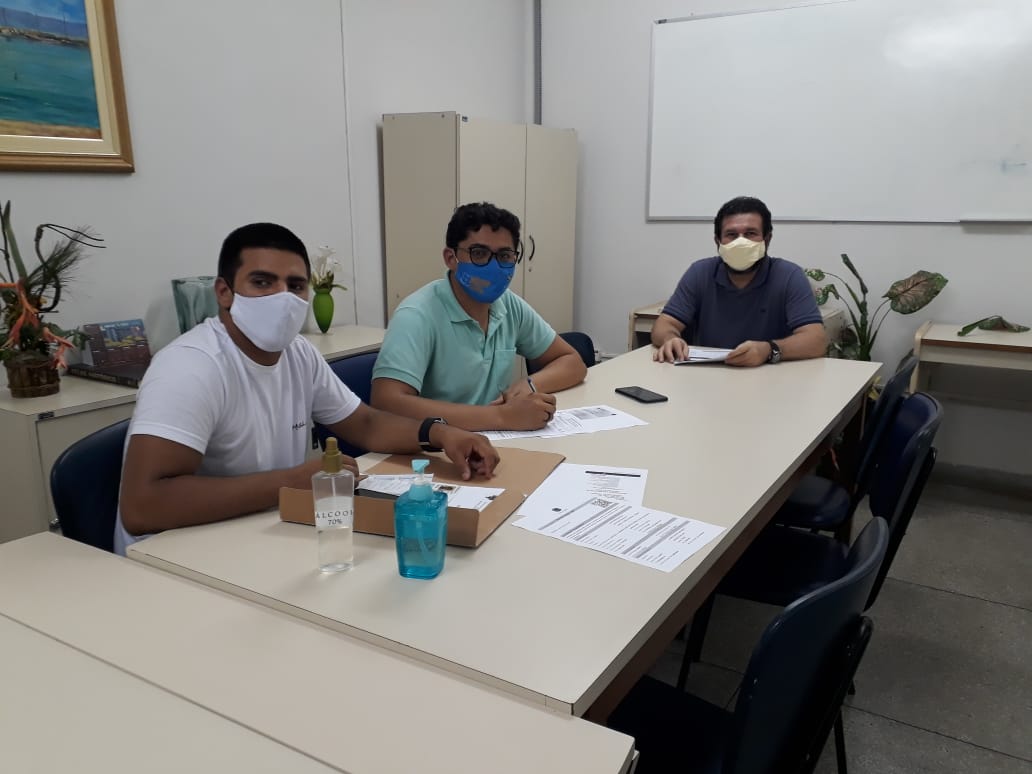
(742, 253)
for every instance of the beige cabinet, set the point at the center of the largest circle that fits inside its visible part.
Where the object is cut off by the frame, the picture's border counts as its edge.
(432, 162)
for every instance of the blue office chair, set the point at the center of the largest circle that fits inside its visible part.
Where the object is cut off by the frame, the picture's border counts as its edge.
(791, 694)
(822, 504)
(579, 341)
(84, 484)
(357, 373)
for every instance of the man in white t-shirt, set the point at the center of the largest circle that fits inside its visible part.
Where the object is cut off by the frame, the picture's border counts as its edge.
(222, 416)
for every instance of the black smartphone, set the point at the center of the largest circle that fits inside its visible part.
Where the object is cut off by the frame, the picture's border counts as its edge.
(641, 395)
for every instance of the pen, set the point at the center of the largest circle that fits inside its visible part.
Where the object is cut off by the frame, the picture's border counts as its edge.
(531, 383)
(605, 473)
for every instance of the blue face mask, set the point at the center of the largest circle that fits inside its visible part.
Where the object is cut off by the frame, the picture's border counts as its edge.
(484, 283)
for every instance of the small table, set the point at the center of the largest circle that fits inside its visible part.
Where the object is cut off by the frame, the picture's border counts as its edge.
(938, 344)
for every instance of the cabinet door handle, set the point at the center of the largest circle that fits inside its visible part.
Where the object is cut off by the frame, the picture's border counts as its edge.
(533, 248)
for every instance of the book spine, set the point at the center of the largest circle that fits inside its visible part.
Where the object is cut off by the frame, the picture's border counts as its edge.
(89, 373)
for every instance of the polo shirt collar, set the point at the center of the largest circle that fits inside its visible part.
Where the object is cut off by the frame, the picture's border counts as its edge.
(723, 278)
(453, 308)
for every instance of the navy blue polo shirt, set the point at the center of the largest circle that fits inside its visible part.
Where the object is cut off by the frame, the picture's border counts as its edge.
(717, 314)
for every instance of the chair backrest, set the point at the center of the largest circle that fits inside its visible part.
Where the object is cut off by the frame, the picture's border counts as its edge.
(802, 666)
(884, 411)
(357, 373)
(579, 341)
(901, 469)
(84, 484)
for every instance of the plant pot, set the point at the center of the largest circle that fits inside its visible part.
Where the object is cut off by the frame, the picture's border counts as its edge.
(32, 376)
(322, 309)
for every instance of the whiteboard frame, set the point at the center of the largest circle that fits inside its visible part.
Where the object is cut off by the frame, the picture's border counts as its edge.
(965, 219)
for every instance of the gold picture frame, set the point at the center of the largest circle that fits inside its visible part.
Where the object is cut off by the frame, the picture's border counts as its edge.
(75, 137)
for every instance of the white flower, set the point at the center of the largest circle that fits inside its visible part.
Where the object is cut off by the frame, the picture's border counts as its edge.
(323, 267)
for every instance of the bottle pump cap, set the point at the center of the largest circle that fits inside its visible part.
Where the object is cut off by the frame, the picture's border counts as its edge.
(332, 458)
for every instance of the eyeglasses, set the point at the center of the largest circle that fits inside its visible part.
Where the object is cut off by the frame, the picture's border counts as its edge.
(480, 256)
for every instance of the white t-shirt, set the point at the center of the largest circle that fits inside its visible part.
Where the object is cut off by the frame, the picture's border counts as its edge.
(203, 392)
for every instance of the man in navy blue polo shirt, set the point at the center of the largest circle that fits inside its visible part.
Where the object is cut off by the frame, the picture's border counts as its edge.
(760, 307)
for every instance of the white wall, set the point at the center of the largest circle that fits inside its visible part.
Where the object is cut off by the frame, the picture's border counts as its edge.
(408, 57)
(596, 57)
(236, 113)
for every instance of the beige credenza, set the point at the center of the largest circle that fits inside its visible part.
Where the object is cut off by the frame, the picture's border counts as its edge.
(34, 431)
(432, 162)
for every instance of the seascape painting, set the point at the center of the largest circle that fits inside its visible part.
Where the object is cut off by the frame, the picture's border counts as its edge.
(62, 99)
(46, 71)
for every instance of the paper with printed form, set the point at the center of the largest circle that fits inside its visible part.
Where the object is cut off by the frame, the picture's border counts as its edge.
(641, 535)
(704, 355)
(476, 497)
(586, 419)
(570, 484)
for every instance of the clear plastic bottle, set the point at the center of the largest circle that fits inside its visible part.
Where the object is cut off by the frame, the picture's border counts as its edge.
(421, 527)
(333, 489)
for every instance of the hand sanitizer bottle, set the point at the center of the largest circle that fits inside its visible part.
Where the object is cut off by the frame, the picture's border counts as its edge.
(420, 527)
(333, 489)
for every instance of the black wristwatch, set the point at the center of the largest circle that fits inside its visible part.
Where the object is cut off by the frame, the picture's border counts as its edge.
(775, 353)
(424, 433)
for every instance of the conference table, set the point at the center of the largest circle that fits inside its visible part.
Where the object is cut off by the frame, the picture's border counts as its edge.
(110, 666)
(559, 625)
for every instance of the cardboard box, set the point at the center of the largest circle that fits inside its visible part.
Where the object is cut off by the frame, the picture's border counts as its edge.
(519, 473)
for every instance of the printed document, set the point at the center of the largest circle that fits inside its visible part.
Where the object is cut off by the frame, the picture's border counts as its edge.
(478, 497)
(641, 535)
(704, 355)
(586, 419)
(570, 484)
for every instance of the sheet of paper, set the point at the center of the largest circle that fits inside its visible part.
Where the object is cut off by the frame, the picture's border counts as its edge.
(570, 484)
(586, 419)
(641, 535)
(704, 355)
(478, 497)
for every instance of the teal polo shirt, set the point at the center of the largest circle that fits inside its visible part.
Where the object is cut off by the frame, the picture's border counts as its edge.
(433, 346)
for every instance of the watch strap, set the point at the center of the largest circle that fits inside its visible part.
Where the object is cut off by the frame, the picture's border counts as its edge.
(424, 433)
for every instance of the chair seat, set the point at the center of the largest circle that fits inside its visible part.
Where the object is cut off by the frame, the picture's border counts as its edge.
(783, 564)
(673, 731)
(815, 503)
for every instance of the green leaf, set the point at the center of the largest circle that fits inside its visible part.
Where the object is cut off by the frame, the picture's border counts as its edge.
(824, 293)
(907, 296)
(815, 274)
(12, 243)
(852, 268)
(994, 323)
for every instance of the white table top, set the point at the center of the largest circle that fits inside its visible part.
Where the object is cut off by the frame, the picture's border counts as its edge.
(64, 710)
(346, 340)
(526, 613)
(945, 334)
(352, 706)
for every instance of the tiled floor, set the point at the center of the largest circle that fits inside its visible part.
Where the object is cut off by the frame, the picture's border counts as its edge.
(946, 684)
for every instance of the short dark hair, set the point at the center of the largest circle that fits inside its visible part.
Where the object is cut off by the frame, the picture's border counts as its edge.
(472, 217)
(270, 235)
(743, 205)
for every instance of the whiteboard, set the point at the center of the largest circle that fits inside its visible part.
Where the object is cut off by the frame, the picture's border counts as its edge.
(855, 110)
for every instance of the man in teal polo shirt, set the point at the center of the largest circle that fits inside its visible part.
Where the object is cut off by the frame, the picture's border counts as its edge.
(451, 346)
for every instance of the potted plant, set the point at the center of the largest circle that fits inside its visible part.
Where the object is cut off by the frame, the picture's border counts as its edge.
(905, 296)
(323, 267)
(32, 349)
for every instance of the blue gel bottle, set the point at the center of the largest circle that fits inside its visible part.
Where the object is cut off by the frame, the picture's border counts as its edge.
(420, 527)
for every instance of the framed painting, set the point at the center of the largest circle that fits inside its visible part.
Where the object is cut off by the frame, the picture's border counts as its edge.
(62, 101)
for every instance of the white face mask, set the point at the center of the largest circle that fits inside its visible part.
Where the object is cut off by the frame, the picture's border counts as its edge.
(742, 253)
(270, 322)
